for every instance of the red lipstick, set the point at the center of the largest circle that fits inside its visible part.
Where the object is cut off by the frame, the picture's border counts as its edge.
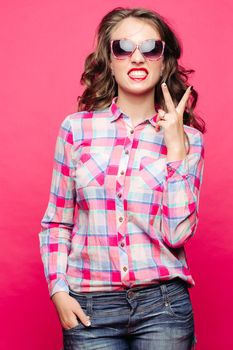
(138, 76)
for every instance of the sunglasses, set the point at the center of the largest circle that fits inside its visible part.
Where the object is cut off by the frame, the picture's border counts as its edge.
(151, 49)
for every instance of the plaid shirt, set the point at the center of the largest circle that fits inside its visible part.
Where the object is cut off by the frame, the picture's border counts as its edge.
(118, 213)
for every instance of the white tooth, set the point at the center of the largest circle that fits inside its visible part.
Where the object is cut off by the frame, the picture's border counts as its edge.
(138, 73)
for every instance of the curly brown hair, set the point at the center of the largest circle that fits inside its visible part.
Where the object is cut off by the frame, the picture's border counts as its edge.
(100, 85)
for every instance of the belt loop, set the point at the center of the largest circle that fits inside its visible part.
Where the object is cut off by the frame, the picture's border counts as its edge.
(164, 293)
(89, 305)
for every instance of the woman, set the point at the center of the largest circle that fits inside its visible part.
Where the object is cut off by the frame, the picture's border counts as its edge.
(124, 195)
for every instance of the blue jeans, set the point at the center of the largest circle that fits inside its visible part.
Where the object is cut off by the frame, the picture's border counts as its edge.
(157, 317)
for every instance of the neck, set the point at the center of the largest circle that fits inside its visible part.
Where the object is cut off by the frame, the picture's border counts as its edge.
(137, 107)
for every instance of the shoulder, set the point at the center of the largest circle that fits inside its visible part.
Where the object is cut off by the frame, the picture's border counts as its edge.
(77, 123)
(78, 117)
(195, 142)
(195, 137)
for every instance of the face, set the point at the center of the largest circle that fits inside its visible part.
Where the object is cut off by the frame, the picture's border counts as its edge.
(148, 71)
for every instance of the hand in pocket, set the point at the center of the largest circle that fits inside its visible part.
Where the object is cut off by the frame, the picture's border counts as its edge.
(69, 310)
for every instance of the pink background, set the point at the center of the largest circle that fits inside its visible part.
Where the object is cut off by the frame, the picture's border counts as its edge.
(43, 47)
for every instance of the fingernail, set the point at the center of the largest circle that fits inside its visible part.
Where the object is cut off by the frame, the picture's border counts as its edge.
(88, 323)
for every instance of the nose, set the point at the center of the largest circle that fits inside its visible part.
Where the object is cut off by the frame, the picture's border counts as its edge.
(137, 56)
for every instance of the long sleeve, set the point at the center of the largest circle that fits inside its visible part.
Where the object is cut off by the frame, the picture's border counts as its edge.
(181, 195)
(58, 220)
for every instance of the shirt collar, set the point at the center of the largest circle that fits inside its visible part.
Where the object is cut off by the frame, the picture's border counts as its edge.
(116, 112)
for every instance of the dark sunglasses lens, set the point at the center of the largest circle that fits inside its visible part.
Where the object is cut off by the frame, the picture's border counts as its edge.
(122, 48)
(152, 48)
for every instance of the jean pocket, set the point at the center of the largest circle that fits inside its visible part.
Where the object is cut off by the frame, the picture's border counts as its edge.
(81, 299)
(180, 305)
(91, 169)
(80, 325)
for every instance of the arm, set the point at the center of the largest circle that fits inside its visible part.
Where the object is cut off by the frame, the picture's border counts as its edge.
(181, 195)
(57, 223)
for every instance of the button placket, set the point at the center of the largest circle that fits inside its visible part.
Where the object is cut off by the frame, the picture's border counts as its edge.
(123, 163)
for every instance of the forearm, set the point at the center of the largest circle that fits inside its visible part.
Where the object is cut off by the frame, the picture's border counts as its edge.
(178, 151)
(179, 211)
(54, 249)
(181, 194)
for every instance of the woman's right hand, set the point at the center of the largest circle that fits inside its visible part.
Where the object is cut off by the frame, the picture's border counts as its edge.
(68, 310)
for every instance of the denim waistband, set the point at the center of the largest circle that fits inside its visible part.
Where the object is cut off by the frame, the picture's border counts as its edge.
(149, 287)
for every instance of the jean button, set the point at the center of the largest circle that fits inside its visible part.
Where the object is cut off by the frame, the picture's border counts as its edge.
(130, 294)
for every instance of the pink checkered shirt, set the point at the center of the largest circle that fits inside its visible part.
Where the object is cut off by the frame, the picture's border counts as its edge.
(118, 214)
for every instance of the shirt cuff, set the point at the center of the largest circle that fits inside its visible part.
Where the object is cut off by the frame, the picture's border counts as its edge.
(59, 285)
(177, 170)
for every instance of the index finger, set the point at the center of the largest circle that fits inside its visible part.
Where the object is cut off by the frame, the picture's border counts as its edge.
(167, 97)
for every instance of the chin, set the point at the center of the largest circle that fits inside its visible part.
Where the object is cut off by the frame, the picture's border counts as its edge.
(138, 91)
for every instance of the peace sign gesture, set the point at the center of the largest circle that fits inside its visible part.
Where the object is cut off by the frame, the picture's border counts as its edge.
(172, 121)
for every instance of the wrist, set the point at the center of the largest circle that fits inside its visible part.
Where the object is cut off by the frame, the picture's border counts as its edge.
(58, 295)
(176, 153)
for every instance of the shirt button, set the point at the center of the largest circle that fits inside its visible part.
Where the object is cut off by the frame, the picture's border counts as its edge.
(122, 172)
(126, 152)
(122, 244)
(120, 218)
(125, 268)
(119, 195)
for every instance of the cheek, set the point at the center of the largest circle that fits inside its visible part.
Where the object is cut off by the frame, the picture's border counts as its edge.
(156, 66)
(119, 69)
(118, 64)
(155, 70)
